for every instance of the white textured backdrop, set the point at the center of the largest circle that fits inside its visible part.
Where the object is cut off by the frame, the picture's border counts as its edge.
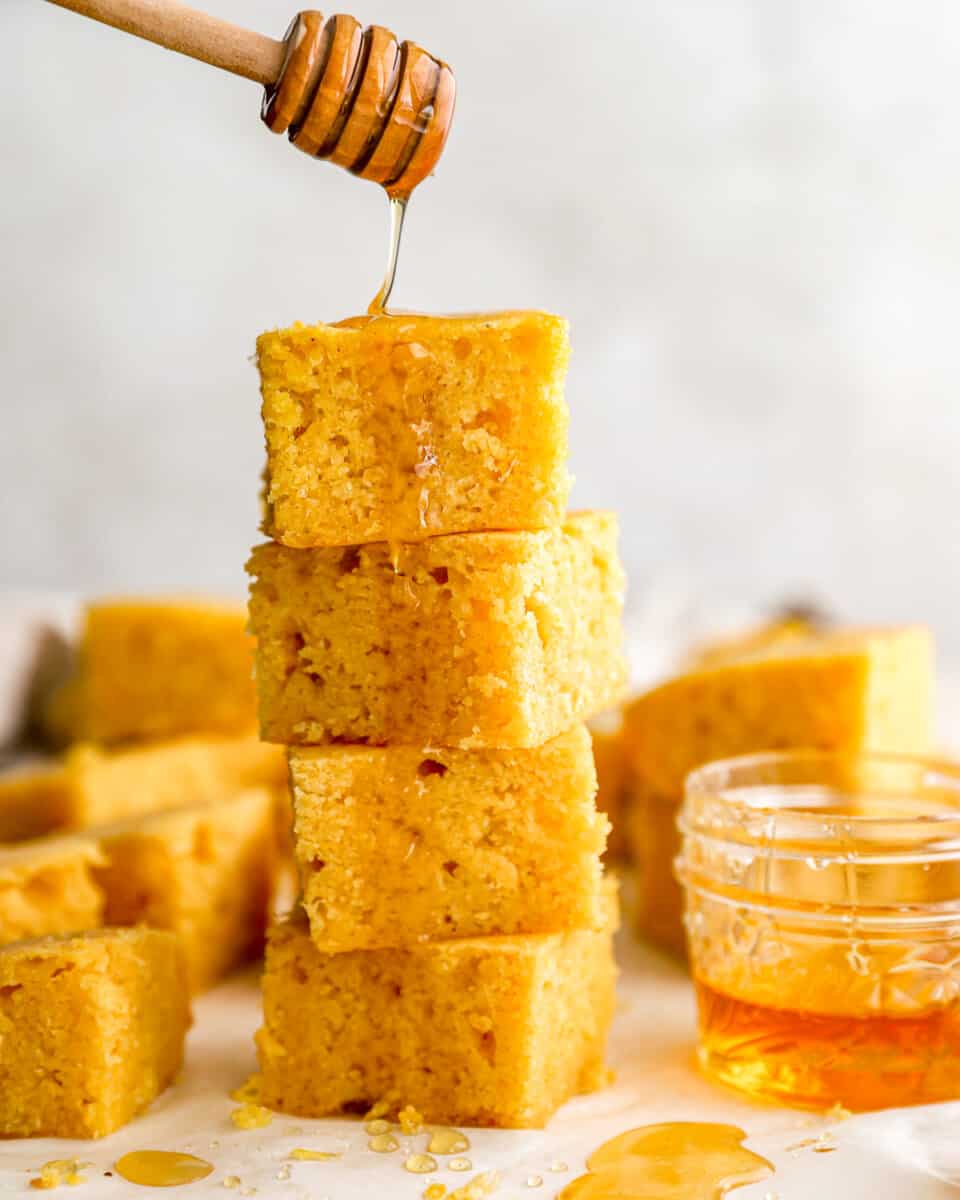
(748, 208)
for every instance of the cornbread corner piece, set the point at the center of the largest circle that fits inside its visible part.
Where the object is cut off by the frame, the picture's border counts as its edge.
(613, 779)
(207, 874)
(846, 690)
(397, 845)
(477, 1031)
(472, 640)
(91, 1030)
(406, 427)
(48, 887)
(104, 787)
(159, 668)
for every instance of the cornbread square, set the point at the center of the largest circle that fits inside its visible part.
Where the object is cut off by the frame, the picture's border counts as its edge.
(397, 845)
(91, 1030)
(207, 874)
(840, 690)
(48, 887)
(478, 1031)
(473, 640)
(103, 787)
(159, 668)
(406, 427)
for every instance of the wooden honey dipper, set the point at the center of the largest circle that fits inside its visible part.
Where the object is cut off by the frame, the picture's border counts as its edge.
(358, 97)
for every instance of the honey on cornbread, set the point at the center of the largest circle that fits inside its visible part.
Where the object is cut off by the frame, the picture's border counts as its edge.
(403, 427)
(478, 1031)
(158, 668)
(91, 1030)
(839, 690)
(472, 640)
(397, 845)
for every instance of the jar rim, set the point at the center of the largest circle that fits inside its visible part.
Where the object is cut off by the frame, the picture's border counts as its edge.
(731, 780)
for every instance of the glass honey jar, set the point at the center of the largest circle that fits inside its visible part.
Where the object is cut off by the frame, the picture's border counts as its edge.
(822, 912)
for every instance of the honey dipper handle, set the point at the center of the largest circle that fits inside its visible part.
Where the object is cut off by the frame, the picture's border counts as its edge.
(178, 27)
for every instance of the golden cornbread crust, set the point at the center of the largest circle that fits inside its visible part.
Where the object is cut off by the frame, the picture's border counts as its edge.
(472, 640)
(397, 845)
(488, 1031)
(159, 668)
(841, 690)
(91, 1030)
(406, 427)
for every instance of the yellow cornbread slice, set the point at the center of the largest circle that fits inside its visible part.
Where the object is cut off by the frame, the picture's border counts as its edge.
(840, 690)
(477, 1031)
(33, 802)
(91, 1030)
(405, 427)
(397, 845)
(159, 668)
(49, 887)
(473, 640)
(206, 873)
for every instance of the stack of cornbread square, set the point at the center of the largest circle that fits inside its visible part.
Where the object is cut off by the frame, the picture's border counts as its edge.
(432, 631)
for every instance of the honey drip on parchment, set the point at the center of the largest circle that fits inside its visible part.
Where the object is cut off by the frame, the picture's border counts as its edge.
(162, 1168)
(681, 1160)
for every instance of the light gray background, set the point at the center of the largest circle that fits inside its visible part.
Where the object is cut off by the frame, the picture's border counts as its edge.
(748, 208)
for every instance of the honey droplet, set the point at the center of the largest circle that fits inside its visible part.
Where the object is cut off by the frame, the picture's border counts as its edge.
(377, 1126)
(383, 1143)
(162, 1168)
(673, 1161)
(460, 1164)
(316, 1155)
(558, 1165)
(436, 1191)
(420, 1164)
(447, 1141)
(59, 1171)
(231, 1181)
(533, 1181)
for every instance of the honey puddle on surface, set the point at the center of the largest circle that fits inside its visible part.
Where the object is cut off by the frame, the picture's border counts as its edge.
(681, 1160)
(162, 1168)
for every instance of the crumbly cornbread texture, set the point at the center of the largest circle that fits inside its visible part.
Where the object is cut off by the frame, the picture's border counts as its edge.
(405, 427)
(613, 790)
(397, 845)
(477, 1031)
(91, 1030)
(49, 886)
(205, 873)
(841, 690)
(153, 668)
(472, 640)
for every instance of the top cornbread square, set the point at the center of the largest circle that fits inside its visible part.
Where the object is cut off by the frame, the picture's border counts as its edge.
(472, 640)
(405, 427)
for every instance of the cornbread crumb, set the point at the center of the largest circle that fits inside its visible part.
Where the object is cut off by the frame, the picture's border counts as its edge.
(232, 1181)
(251, 1116)
(158, 668)
(413, 426)
(477, 1188)
(397, 845)
(92, 1030)
(410, 1120)
(57, 1172)
(342, 1028)
(436, 1191)
(471, 640)
(249, 1091)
